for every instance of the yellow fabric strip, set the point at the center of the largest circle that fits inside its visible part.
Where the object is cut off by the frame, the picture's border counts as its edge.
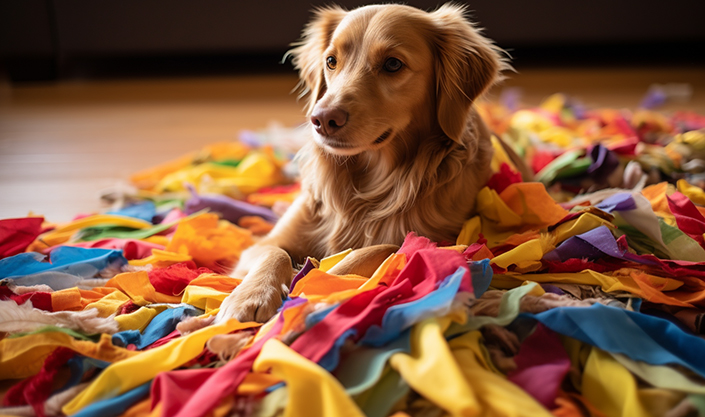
(255, 171)
(583, 224)
(621, 280)
(331, 261)
(204, 298)
(130, 373)
(24, 356)
(494, 209)
(161, 259)
(695, 194)
(470, 232)
(63, 234)
(500, 156)
(457, 376)
(138, 287)
(611, 387)
(431, 371)
(109, 304)
(496, 395)
(148, 178)
(138, 320)
(300, 374)
(660, 376)
(531, 251)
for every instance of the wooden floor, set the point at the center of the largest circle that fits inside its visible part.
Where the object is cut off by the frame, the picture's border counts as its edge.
(62, 143)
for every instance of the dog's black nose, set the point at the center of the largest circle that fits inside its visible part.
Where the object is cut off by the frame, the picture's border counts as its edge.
(329, 121)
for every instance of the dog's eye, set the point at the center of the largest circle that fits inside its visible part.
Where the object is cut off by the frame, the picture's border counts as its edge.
(392, 65)
(331, 62)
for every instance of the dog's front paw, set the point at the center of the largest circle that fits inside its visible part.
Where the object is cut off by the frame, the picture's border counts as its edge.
(253, 301)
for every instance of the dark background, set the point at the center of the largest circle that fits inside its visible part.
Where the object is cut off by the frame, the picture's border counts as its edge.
(63, 39)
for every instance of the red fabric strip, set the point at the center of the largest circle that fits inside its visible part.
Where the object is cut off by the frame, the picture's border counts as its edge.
(36, 390)
(17, 234)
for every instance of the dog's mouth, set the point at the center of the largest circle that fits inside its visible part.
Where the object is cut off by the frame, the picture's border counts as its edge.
(337, 147)
(384, 136)
(333, 143)
(343, 147)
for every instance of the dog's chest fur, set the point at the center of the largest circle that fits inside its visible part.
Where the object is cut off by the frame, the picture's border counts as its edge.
(353, 204)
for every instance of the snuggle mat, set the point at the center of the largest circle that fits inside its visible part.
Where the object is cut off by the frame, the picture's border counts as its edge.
(581, 294)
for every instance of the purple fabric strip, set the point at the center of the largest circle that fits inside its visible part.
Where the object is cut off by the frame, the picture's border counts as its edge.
(229, 209)
(308, 266)
(617, 202)
(604, 163)
(591, 245)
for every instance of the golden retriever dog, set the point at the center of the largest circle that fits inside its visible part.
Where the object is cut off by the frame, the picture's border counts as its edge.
(396, 144)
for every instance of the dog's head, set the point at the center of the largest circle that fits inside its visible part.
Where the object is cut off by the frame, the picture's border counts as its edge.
(380, 72)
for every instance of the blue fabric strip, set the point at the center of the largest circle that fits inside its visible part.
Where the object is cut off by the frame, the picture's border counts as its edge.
(161, 325)
(116, 406)
(481, 273)
(639, 336)
(402, 316)
(144, 211)
(84, 262)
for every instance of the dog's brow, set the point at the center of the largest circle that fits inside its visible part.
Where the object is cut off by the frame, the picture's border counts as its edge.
(383, 41)
(391, 45)
(382, 48)
(347, 47)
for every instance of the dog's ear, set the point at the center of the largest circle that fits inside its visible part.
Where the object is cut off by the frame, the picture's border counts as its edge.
(467, 64)
(307, 54)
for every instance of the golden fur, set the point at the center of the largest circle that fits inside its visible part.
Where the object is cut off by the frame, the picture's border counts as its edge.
(411, 153)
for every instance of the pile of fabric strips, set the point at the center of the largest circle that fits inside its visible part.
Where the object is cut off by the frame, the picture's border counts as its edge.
(581, 294)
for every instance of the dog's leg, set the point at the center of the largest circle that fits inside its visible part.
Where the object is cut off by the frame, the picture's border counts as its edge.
(266, 268)
(267, 274)
(266, 271)
(365, 261)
